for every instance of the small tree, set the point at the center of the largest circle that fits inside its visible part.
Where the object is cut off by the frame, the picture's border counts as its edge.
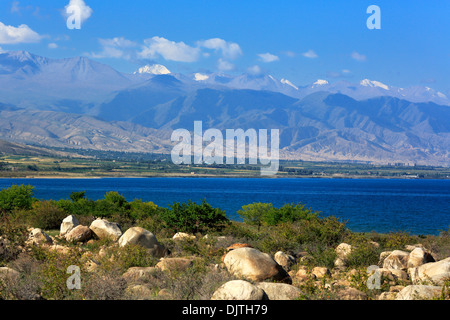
(256, 213)
(16, 198)
(77, 195)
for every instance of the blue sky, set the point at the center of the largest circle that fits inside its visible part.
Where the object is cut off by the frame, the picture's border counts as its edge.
(298, 40)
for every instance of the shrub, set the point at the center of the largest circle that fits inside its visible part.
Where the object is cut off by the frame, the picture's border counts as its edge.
(16, 198)
(193, 218)
(289, 213)
(256, 213)
(47, 215)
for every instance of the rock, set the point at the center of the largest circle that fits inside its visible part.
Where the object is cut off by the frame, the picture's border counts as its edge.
(104, 229)
(68, 224)
(352, 294)
(60, 249)
(38, 237)
(396, 288)
(254, 265)
(238, 246)
(137, 273)
(174, 264)
(139, 292)
(343, 251)
(280, 291)
(396, 260)
(91, 266)
(387, 296)
(144, 238)
(183, 236)
(339, 263)
(383, 256)
(419, 292)
(321, 272)
(418, 257)
(284, 260)
(79, 234)
(392, 274)
(4, 245)
(239, 290)
(414, 246)
(302, 274)
(436, 272)
(9, 274)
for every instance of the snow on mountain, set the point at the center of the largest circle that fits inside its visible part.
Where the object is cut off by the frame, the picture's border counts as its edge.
(320, 82)
(373, 84)
(287, 82)
(200, 77)
(155, 69)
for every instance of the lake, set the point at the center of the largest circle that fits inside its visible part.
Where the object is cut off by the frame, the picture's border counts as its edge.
(381, 205)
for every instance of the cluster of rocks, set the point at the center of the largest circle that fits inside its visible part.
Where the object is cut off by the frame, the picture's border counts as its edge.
(261, 276)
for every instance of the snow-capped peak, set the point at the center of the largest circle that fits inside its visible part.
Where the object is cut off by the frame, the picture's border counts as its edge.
(373, 84)
(200, 77)
(156, 69)
(287, 82)
(320, 82)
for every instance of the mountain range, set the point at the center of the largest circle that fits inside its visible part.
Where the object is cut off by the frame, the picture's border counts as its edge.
(81, 103)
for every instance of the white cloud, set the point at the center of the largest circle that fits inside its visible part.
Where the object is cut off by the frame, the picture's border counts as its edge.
(255, 70)
(169, 50)
(118, 47)
(223, 65)
(358, 56)
(15, 8)
(52, 45)
(310, 54)
(85, 10)
(20, 34)
(290, 54)
(268, 57)
(230, 50)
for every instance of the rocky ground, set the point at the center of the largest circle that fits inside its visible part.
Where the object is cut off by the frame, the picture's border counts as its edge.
(135, 265)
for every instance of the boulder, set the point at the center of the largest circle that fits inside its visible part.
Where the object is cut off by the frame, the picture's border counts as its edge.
(144, 238)
(254, 265)
(68, 224)
(239, 290)
(387, 296)
(238, 246)
(418, 257)
(302, 274)
(352, 294)
(383, 256)
(8, 274)
(284, 260)
(79, 234)
(434, 272)
(104, 229)
(139, 292)
(183, 236)
(392, 274)
(280, 291)
(38, 237)
(174, 264)
(419, 292)
(321, 272)
(343, 251)
(396, 260)
(137, 273)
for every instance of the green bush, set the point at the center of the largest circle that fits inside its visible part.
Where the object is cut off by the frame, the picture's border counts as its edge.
(266, 214)
(47, 215)
(193, 218)
(16, 198)
(256, 213)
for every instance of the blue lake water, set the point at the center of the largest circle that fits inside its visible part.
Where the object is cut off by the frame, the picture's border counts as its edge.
(381, 205)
